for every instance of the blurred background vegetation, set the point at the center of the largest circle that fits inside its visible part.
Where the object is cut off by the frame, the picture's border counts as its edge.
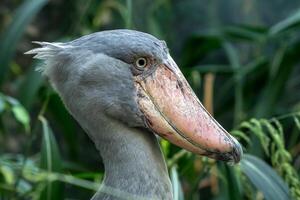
(240, 57)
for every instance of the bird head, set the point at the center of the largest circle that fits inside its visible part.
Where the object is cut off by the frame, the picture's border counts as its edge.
(131, 77)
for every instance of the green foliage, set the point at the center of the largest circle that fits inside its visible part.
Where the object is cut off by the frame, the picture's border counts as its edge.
(23, 178)
(10, 104)
(270, 134)
(286, 24)
(178, 194)
(297, 122)
(264, 178)
(10, 38)
(29, 88)
(50, 161)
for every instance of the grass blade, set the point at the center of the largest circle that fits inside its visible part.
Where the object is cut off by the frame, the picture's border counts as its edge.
(229, 182)
(10, 38)
(275, 87)
(286, 24)
(20, 113)
(264, 178)
(29, 87)
(297, 122)
(177, 191)
(66, 123)
(219, 69)
(234, 61)
(245, 33)
(50, 160)
(22, 116)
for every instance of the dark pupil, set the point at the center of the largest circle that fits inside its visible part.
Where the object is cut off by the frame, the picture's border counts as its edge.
(141, 62)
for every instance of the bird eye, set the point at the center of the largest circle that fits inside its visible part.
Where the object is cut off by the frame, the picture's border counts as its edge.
(141, 63)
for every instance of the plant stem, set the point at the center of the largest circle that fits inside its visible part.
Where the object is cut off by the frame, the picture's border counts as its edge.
(128, 22)
(285, 116)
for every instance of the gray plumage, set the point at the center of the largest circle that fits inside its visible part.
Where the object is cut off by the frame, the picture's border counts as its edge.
(94, 77)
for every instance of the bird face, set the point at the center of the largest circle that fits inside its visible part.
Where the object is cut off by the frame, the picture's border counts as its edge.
(130, 76)
(172, 110)
(168, 105)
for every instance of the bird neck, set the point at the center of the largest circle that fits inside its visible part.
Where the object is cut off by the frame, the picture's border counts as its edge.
(133, 162)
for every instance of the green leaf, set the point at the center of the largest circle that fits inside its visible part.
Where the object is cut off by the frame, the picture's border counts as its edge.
(247, 70)
(233, 55)
(66, 123)
(29, 87)
(244, 32)
(165, 145)
(22, 116)
(241, 135)
(251, 67)
(197, 48)
(297, 122)
(264, 178)
(10, 38)
(19, 112)
(230, 186)
(12, 101)
(275, 88)
(8, 174)
(128, 19)
(2, 103)
(286, 24)
(220, 69)
(177, 190)
(24, 187)
(51, 161)
(234, 60)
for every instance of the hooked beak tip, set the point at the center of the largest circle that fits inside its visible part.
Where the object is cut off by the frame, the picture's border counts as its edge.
(237, 151)
(232, 157)
(177, 115)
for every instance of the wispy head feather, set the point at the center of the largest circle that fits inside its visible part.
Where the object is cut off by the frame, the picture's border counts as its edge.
(46, 52)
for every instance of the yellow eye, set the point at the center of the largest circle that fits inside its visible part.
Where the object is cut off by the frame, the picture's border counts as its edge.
(141, 62)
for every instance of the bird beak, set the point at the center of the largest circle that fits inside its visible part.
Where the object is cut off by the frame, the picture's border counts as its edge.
(172, 110)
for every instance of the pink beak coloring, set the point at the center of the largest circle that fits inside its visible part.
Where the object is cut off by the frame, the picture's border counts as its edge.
(173, 111)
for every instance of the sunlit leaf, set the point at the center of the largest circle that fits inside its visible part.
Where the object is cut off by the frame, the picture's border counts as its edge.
(22, 116)
(8, 174)
(165, 146)
(19, 112)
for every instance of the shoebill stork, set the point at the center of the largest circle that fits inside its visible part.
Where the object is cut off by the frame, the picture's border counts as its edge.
(123, 87)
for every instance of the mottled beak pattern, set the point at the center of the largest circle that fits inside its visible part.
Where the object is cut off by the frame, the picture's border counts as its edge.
(172, 110)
